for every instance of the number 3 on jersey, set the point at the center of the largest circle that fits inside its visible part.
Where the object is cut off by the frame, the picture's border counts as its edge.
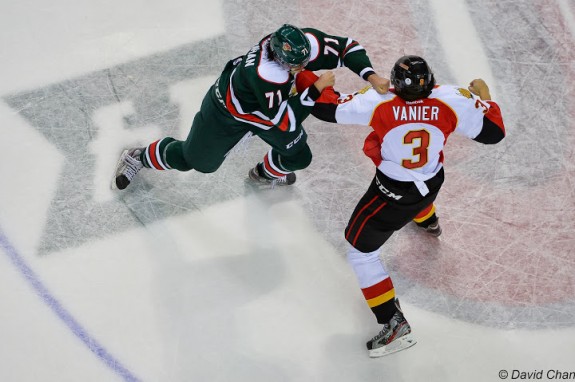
(419, 139)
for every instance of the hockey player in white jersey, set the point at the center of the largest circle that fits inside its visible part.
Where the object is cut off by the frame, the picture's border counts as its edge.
(411, 124)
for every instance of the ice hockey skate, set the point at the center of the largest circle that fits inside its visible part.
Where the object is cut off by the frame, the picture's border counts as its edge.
(433, 229)
(393, 337)
(128, 166)
(287, 180)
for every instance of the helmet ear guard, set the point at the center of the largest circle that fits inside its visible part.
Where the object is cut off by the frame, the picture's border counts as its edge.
(412, 78)
(290, 47)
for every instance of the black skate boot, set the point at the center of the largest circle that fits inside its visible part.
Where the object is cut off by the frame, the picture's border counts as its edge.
(255, 175)
(393, 337)
(433, 229)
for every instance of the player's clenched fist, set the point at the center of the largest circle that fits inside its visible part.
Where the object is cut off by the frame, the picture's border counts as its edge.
(325, 80)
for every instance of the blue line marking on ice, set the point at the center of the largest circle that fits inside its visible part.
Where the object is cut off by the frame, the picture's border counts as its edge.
(62, 313)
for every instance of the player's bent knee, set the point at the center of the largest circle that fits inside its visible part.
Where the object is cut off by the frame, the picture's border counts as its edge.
(355, 256)
(298, 161)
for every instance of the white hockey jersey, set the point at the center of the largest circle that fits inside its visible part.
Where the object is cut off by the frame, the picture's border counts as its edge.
(408, 138)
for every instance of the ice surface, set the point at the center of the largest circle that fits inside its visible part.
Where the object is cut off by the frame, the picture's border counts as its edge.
(192, 277)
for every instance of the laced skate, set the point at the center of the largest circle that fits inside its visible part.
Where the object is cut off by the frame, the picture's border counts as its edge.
(393, 337)
(286, 180)
(128, 166)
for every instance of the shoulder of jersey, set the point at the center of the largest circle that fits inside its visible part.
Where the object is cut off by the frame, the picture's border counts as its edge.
(451, 92)
(314, 43)
(269, 70)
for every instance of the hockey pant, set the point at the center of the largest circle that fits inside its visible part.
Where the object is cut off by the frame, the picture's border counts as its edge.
(214, 133)
(386, 207)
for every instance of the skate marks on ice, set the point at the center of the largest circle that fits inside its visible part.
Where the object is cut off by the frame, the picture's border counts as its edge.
(505, 257)
(91, 118)
(138, 98)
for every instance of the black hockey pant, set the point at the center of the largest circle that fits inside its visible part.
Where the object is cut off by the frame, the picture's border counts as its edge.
(387, 206)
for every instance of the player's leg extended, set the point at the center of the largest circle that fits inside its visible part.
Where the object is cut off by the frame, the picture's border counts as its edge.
(134, 159)
(366, 232)
(376, 217)
(163, 154)
(378, 290)
(212, 135)
(373, 221)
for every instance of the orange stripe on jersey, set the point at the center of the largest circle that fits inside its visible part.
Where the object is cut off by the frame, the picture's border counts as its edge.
(379, 126)
(372, 148)
(425, 214)
(248, 117)
(284, 124)
(380, 288)
(381, 299)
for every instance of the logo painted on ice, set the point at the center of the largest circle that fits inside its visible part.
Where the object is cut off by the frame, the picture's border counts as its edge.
(73, 115)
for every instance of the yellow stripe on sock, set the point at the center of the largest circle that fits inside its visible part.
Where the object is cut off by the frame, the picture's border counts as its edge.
(381, 298)
(427, 216)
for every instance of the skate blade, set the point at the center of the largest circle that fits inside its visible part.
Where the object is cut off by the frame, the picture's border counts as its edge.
(400, 344)
(118, 165)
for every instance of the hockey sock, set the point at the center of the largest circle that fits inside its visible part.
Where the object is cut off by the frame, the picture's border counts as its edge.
(426, 217)
(271, 167)
(164, 154)
(375, 283)
(153, 155)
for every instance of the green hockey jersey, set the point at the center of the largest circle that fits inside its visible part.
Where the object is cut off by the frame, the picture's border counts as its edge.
(257, 90)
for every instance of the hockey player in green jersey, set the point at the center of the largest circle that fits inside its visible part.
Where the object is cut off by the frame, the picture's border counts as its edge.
(255, 94)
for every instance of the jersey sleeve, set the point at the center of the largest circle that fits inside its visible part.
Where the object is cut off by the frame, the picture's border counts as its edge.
(477, 119)
(358, 108)
(350, 109)
(330, 52)
(493, 129)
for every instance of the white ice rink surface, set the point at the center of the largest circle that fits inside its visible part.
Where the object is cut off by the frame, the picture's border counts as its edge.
(191, 277)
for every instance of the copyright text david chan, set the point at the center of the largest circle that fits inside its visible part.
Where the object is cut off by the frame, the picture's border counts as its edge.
(551, 374)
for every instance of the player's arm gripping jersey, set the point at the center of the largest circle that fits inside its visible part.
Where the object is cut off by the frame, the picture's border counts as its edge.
(330, 52)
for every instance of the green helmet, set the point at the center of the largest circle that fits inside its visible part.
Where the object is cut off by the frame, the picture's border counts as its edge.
(290, 47)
